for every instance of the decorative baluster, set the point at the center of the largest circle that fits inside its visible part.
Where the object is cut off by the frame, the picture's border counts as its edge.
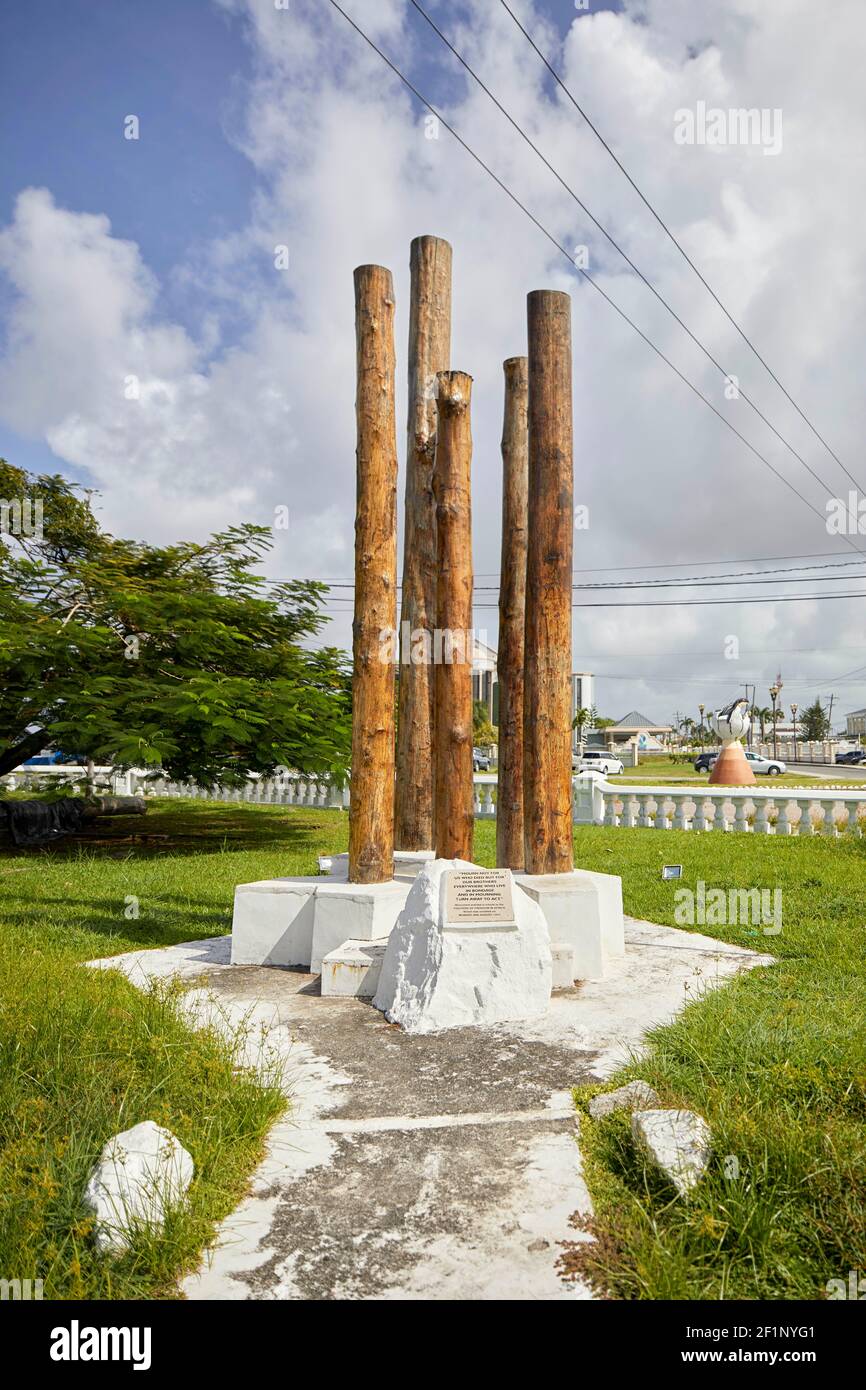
(762, 818)
(699, 820)
(829, 825)
(629, 809)
(609, 808)
(783, 824)
(680, 821)
(643, 801)
(739, 803)
(661, 818)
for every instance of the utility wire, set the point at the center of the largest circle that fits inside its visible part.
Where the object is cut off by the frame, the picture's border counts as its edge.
(666, 229)
(615, 244)
(552, 239)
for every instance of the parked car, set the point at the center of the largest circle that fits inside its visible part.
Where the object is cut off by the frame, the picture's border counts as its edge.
(772, 767)
(480, 761)
(596, 761)
(854, 755)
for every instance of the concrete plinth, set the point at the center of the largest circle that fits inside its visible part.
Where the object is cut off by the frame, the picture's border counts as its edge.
(272, 923)
(354, 912)
(352, 971)
(731, 768)
(407, 863)
(582, 910)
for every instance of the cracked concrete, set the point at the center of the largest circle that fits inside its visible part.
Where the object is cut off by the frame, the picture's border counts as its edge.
(435, 1167)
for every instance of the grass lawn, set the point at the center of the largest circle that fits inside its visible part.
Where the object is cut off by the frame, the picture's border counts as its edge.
(776, 1061)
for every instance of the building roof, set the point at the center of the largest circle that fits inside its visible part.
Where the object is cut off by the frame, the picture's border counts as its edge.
(855, 711)
(635, 720)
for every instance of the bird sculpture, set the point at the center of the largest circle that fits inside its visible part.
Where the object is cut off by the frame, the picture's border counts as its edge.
(731, 768)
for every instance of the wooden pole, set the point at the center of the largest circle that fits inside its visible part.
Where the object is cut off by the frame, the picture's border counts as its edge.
(547, 662)
(512, 617)
(429, 353)
(371, 812)
(453, 820)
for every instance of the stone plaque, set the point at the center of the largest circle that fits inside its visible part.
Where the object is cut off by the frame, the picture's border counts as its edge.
(476, 899)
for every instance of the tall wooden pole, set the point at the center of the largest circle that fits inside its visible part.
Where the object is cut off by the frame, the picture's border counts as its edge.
(547, 661)
(429, 353)
(371, 813)
(512, 617)
(452, 753)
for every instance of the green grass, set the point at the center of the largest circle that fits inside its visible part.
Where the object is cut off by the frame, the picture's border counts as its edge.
(83, 1054)
(776, 1060)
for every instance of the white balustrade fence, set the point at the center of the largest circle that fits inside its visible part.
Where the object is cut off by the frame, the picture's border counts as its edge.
(770, 811)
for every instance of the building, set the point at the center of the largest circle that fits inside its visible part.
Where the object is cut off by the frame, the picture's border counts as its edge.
(582, 697)
(855, 723)
(485, 684)
(634, 728)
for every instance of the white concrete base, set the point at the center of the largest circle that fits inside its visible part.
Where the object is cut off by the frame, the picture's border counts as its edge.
(352, 971)
(439, 975)
(272, 923)
(563, 965)
(353, 912)
(583, 910)
(407, 863)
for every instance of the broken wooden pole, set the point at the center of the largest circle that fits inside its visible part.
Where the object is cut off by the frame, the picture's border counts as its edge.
(453, 820)
(512, 617)
(429, 353)
(547, 774)
(371, 810)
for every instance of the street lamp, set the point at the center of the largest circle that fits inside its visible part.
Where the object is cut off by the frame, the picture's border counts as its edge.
(794, 709)
(701, 708)
(774, 695)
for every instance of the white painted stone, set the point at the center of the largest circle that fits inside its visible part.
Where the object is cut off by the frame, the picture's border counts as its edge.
(352, 971)
(584, 910)
(353, 912)
(637, 1095)
(408, 863)
(435, 976)
(563, 965)
(677, 1141)
(140, 1175)
(272, 922)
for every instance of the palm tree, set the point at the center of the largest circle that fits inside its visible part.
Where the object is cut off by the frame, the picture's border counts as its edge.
(763, 716)
(582, 718)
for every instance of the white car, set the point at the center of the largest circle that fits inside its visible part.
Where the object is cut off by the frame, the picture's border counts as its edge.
(596, 761)
(773, 767)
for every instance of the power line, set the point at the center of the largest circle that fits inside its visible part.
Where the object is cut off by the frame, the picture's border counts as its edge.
(615, 244)
(666, 229)
(552, 239)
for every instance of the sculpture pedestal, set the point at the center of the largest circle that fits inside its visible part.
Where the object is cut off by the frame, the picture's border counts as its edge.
(731, 768)
(583, 911)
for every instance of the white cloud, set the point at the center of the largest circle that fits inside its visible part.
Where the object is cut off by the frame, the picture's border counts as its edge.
(346, 176)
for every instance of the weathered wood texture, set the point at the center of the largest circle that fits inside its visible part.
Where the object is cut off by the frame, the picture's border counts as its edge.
(371, 813)
(512, 616)
(452, 755)
(547, 658)
(429, 353)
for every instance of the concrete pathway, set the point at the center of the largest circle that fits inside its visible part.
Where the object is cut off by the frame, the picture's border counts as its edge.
(438, 1167)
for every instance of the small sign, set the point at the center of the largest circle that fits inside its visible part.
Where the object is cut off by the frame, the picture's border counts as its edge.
(672, 871)
(478, 898)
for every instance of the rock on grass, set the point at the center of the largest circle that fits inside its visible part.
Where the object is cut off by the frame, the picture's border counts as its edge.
(140, 1175)
(677, 1141)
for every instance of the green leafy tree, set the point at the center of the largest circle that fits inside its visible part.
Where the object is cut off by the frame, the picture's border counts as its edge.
(814, 724)
(483, 731)
(180, 657)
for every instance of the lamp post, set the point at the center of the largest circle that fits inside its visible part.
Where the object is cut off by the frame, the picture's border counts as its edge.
(701, 708)
(774, 695)
(794, 709)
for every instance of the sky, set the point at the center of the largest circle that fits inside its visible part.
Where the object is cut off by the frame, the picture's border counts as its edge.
(264, 124)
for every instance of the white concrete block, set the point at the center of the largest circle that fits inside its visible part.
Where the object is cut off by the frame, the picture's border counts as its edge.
(352, 971)
(353, 912)
(272, 923)
(563, 965)
(584, 910)
(436, 975)
(407, 862)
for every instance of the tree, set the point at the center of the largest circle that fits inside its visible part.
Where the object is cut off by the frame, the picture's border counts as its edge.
(483, 731)
(814, 724)
(177, 657)
(583, 719)
(763, 716)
